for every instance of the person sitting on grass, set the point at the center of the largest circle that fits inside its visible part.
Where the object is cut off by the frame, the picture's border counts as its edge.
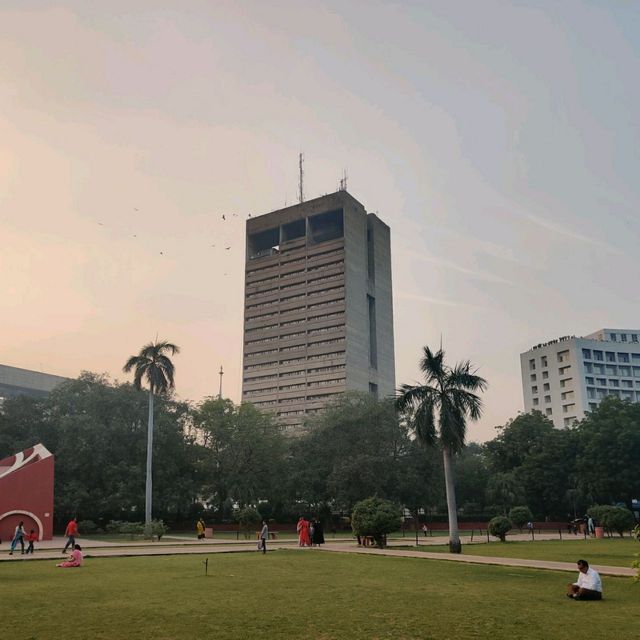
(589, 585)
(75, 558)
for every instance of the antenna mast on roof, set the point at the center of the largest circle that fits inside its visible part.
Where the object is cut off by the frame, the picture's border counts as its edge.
(343, 180)
(301, 179)
(220, 373)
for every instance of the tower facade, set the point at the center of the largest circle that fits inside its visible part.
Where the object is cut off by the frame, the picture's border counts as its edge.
(318, 312)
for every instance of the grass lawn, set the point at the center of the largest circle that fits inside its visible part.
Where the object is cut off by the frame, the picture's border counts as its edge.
(302, 594)
(617, 552)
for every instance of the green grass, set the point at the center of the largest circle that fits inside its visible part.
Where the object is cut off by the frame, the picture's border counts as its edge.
(615, 552)
(302, 594)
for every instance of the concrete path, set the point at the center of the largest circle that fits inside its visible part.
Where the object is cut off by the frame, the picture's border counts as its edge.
(456, 557)
(97, 549)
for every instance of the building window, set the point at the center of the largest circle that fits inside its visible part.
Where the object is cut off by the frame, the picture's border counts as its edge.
(611, 357)
(634, 337)
(533, 377)
(543, 361)
(614, 337)
(547, 399)
(546, 386)
(598, 355)
(589, 380)
(623, 337)
(563, 370)
(534, 389)
(536, 402)
(373, 389)
(373, 344)
(545, 375)
(601, 382)
(549, 411)
(532, 364)
(586, 354)
(623, 357)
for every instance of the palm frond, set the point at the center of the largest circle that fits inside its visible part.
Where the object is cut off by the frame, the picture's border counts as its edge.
(410, 396)
(132, 362)
(453, 428)
(432, 364)
(423, 422)
(461, 376)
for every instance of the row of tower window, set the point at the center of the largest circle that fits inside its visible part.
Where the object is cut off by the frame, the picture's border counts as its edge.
(274, 363)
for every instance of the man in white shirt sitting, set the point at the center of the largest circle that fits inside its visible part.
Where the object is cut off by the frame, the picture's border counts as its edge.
(589, 585)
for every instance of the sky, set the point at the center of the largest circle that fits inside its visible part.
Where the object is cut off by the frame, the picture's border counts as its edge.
(499, 140)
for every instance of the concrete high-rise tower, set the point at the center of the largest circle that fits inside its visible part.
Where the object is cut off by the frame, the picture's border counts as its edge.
(318, 307)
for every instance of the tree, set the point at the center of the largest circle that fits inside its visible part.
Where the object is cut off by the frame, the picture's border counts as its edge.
(375, 517)
(608, 460)
(244, 454)
(448, 392)
(152, 364)
(505, 490)
(499, 527)
(612, 518)
(520, 516)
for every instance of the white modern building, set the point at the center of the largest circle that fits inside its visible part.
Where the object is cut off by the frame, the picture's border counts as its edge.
(23, 382)
(568, 377)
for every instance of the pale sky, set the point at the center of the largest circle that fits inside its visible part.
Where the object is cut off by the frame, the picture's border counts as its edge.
(499, 140)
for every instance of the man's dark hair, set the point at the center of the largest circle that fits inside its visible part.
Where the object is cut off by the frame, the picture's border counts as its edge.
(582, 563)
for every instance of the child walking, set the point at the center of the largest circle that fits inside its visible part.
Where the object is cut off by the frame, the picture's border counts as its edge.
(31, 538)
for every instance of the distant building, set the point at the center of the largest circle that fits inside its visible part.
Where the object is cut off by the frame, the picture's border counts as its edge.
(318, 307)
(15, 382)
(567, 377)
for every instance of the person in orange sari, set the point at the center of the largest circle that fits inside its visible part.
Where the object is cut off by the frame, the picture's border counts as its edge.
(304, 538)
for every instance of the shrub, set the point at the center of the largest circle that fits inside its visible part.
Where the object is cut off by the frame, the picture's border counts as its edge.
(248, 519)
(131, 529)
(87, 526)
(520, 516)
(375, 517)
(113, 526)
(613, 519)
(155, 528)
(499, 527)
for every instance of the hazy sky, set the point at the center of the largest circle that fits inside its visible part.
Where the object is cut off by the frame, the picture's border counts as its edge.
(499, 140)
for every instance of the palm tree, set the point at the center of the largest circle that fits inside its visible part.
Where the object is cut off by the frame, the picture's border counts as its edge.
(156, 368)
(438, 411)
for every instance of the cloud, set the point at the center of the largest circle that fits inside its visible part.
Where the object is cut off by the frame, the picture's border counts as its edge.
(406, 295)
(442, 262)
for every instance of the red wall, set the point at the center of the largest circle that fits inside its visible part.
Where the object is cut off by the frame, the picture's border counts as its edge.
(28, 489)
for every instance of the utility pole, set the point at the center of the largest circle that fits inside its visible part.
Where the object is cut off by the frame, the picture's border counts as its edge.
(221, 372)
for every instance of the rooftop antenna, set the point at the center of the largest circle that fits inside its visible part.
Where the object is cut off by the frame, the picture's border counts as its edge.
(301, 178)
(343, 180)
(221, 373)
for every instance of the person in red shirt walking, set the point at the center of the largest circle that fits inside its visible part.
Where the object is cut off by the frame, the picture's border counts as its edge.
(31, 538)
(71, 532)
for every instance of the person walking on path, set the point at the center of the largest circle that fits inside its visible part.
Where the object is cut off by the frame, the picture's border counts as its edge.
(200, 527)
(31, 538)
(18, 536)
(589, 585)
(72, 533)
(264, 536)
(75, 558)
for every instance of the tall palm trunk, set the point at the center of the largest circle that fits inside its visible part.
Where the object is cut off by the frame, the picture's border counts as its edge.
(149, 485)
(455, 546)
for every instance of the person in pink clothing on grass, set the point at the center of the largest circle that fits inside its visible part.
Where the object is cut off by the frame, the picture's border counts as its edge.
(75, 558)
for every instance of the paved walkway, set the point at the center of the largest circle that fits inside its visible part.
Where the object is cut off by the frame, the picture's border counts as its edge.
(97, 549)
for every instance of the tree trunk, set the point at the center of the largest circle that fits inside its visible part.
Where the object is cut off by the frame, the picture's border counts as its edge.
(455, 546)
(149, 484)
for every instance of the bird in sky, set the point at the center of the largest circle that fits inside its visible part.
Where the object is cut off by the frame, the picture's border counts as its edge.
(213, 245)
(134, 235)
(227, 248)
(223, 217)
(100, 223)
(235, 215)
(161, 253)
(136, 209)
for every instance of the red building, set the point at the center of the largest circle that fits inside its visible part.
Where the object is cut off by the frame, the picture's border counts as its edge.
(26, 493)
